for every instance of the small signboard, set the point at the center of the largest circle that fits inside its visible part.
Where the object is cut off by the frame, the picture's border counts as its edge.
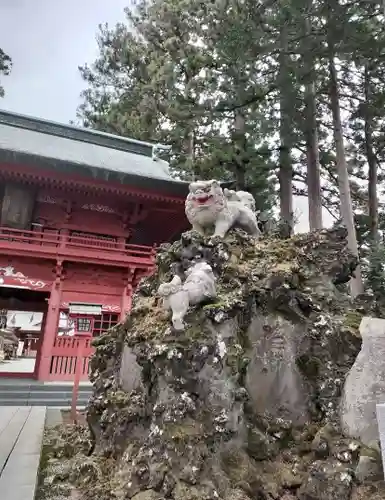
(84, 308)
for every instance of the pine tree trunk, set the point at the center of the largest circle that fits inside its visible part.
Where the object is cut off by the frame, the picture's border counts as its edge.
(311, 136)
(189, 147)
(285, 168)
(372, 162)
(189, 138)
(356, 284)
(240, 140)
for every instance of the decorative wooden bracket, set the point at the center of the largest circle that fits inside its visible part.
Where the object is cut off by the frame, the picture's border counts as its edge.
(138, 215)
(130, 219)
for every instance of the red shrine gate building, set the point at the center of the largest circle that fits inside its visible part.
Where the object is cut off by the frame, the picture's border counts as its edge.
(81, 214)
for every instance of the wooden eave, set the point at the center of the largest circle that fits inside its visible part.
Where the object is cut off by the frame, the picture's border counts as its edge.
(139, 188)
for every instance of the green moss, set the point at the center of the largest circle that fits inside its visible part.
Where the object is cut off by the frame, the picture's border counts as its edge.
(119, 398)
(46, 453)
(239, 468)
(236, 361)
(149, 320)
(232, 363)
(352, 321)
(196, 325)
(259, 446)
(102, 340)
(214, 305)
(194, 331)
(372, 452)
(184, 432)
(308, 365)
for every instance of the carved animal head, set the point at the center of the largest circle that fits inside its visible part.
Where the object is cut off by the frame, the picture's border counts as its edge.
(230, 194)
(167, 289)
(247, 199)
(204, 197)
(205, 192)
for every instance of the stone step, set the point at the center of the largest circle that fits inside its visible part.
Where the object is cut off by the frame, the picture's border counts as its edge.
(26, 394)
(60, 403)
(40, 390)
(7, 384)
(18, 392)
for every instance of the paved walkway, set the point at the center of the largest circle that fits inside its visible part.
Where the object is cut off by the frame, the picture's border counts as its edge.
(19, 365)
(21, 435)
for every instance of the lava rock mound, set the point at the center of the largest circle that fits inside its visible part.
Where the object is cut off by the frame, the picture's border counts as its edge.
(242, 404)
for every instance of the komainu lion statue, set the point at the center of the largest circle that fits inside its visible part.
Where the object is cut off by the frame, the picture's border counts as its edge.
(207, 206)
(198, 287)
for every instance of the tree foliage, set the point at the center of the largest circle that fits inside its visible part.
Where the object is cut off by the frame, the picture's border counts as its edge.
(235, 86)
(187, 73)
(5, 67)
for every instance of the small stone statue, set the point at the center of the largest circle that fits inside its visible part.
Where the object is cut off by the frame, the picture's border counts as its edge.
(198, 287)
(208, 206)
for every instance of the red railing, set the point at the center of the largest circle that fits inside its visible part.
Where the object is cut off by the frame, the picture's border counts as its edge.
(77, 238)
(70, 357)
(73, 245)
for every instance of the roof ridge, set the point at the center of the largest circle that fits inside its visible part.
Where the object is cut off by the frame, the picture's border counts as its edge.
(76, 133)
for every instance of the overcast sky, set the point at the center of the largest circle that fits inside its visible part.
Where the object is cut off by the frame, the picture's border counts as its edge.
(48, 40)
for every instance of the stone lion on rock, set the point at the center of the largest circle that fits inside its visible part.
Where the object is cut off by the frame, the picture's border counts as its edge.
(198, 287)
(208, 206)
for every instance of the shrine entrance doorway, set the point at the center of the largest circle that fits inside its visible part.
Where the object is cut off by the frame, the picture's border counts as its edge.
(22, 321)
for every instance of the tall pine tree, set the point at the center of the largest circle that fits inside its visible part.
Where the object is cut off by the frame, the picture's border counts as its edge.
(185, 73)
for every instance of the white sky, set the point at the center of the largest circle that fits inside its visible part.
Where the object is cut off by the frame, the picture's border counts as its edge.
(48, 40)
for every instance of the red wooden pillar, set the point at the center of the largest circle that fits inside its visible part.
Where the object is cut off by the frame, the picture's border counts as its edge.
(51, 326)
(40, 344)
(126, 301)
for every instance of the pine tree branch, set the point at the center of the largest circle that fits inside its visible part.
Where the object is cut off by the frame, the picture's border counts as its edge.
(325, 203)
(221, 108)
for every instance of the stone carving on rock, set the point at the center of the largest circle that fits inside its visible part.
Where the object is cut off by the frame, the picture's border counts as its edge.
(207, 206)
(273, 380)
(198, 287)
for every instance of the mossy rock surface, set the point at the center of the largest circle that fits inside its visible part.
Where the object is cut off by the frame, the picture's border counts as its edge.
(191, 430)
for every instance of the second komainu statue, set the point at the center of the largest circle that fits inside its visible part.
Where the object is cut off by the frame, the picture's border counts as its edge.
(198, 287)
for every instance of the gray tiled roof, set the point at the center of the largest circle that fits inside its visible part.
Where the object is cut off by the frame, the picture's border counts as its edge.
(62, 143)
